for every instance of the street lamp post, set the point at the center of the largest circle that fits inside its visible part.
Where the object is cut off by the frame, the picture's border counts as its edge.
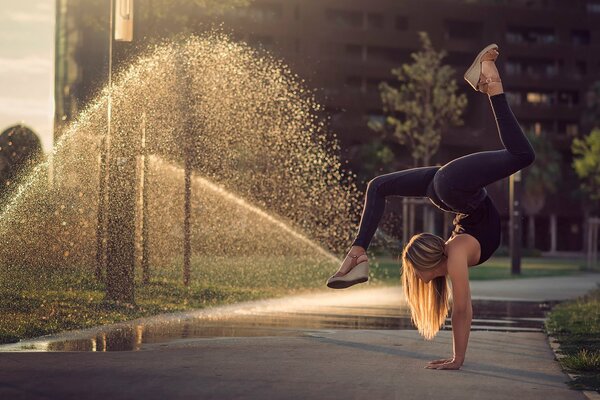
(515, 222)
(116, 208)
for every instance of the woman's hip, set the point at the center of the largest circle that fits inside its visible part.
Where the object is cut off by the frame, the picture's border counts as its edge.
(451, 191)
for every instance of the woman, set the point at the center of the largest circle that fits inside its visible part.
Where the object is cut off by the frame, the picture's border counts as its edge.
(457, 187)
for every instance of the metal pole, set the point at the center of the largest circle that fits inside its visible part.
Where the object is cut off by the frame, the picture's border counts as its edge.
(596, 225)
(515, 222)
(187, 209)
(187, 138)
(103, 168)
(145, 245)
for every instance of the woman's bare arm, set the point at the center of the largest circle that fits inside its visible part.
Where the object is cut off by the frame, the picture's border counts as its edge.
(462, 311)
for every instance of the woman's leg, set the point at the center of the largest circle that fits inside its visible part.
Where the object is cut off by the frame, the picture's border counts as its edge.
(410, 182)
(467, 175)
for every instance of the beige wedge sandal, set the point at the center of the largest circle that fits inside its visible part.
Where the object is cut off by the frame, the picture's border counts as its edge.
(358, 274)
(473, 74)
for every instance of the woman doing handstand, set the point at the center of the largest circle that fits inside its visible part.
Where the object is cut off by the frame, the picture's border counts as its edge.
(457, 187)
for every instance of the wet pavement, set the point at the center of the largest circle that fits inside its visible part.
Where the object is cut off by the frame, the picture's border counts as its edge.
(488, 315)
(353, 343)
(295, 316)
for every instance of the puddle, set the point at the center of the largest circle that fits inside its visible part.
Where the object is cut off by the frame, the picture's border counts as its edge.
(487, 315)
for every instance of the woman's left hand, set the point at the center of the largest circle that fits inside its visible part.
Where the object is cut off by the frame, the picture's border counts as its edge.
(449, 364)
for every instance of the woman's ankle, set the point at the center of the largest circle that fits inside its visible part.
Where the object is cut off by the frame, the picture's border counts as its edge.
(494, 88)
(357, 250)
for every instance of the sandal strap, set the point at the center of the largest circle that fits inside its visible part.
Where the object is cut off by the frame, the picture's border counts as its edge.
(490, 79)
(361, 254)
(489, 56)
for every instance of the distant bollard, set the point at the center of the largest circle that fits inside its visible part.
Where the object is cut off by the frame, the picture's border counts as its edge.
(592, 245)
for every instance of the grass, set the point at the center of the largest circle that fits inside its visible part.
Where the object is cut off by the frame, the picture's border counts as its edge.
(576, 326)
(50, 300)
(497, 268)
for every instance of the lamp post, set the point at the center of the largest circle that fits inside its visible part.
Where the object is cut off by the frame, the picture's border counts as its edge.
(515, 222)
(116, 208)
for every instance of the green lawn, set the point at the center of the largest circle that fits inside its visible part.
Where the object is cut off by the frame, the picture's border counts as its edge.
(45, 301)
(40, 302)
(576, 326)
(494, 268)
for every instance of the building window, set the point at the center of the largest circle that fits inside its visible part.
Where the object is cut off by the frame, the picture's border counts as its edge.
(261, 41)
(375, 116)
(551, 69)
(344, 18)
(569, 128)
(387, 54)
(374, 21)
(537, 127)
(261, 12)
(354, 51)
(514, 98)
(531, 35)
(512, 67)
(593, 6)
(401, 22)
(580, 69)
(580, 36)
(373, 84)
(463, 30)
(540, 98)
(568, 98)
(355, 83)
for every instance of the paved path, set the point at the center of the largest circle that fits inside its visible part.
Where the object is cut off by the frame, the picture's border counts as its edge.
(312, 363)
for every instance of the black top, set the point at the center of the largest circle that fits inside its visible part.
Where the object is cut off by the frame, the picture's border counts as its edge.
(483, 224)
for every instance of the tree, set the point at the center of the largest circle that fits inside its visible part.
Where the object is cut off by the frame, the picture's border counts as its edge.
(423, 105)
(541, 178)
(586, 162)
(20, 151)
(374, 157)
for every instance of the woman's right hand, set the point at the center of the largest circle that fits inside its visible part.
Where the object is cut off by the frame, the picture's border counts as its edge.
(440, 361)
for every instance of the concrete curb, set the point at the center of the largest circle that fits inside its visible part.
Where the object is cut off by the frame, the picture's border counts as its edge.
(555, 346)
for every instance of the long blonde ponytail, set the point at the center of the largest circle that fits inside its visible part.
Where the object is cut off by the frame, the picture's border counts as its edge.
(428, 302)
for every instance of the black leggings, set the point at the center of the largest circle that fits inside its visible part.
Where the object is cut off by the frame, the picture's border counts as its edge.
(460, 183)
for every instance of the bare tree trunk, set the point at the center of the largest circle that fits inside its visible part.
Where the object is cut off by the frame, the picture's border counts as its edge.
(145, 264)
(186, 219)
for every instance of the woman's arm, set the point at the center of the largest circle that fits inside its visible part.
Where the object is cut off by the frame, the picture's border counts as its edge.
(462, 311)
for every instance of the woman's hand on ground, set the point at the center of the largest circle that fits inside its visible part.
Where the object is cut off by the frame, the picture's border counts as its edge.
(444, 363)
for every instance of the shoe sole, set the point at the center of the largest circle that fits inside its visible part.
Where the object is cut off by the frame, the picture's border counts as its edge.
(345, 284)
(358, 274)
(474, 71)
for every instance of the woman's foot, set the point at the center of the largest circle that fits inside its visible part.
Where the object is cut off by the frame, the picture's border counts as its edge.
(355, 256)
(354, 269)
(489, 80)
(483, 75)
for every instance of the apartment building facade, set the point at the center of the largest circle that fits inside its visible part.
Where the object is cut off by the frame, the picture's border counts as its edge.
(549, 56)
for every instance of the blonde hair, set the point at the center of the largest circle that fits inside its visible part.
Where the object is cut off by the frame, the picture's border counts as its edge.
(428, 302)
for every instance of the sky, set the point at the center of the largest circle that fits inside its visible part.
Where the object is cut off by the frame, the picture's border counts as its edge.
(27, 66)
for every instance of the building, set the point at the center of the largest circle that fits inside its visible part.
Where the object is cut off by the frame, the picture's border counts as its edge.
(345, 48)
